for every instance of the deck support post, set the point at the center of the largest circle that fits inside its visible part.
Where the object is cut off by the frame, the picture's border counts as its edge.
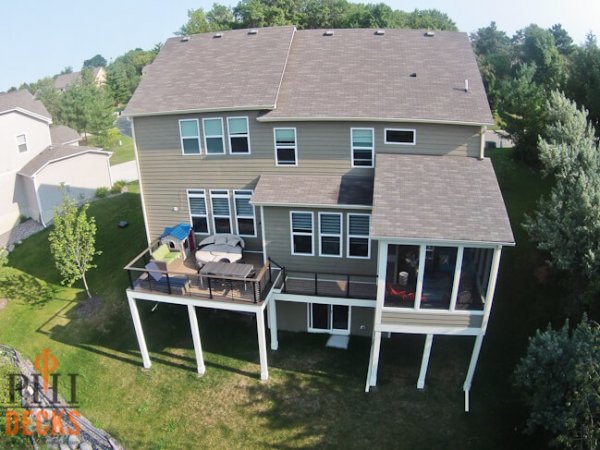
(262, 345)
(139, 332)
(425, 361)
(196, 339)
(272, 311)
(374, 363)
(472, 366)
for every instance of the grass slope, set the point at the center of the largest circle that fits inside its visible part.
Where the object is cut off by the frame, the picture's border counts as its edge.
(315, 396)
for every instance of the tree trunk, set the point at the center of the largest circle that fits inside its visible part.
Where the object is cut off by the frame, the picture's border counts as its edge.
(87, 289)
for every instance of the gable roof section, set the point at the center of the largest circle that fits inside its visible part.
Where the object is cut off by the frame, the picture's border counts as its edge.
(357, 74)
(24, 102)
(234, 72)
(438, 198)
(313, 190)
(65, 80)
(61, 134)
(55, 153)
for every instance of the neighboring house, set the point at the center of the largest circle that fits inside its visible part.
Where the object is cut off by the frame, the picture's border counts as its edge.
(350, 161)
(37, 157)
(63, 81)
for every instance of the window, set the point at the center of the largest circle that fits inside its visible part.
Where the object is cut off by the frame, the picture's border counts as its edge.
(198, 216)
(400, 136)
(190, 137)
(221, 211)
(285, 147)
(330, 231)
(359, 244)
(302, 233)
(324, 318)
(22, 143)
(362, 147)
(239, 139)
(213, 136)
(244, 213)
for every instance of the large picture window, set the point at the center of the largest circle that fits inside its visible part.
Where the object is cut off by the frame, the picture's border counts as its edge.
(302, 233)
(359, 244)
(363, 148)
(221, 211)
(190, 136)
(213, 136)
(239, 138)
(330, 234)
(285, 147)
(244, 213)
(198, 215)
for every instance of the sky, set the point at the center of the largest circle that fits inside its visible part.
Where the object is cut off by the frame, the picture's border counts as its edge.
(39, 38)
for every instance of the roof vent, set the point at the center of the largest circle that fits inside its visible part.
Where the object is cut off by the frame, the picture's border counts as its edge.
(413, 75)
(466, 85)
(430, 33)
(217, 35)
(184, 39)
(328, 33)
(253, 31)
(379, 32)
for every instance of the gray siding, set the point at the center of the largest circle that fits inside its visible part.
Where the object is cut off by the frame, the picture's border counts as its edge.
(443, 319)
(362, 321)
(278, 241)
(323, 148)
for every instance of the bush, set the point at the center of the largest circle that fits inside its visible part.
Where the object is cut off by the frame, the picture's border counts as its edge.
(101, 192)
(118, 186)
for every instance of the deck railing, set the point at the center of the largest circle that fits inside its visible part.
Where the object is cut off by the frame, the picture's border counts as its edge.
(329, 284)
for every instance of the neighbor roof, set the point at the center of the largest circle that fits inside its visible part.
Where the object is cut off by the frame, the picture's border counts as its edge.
(61, 134)
(23, 100)
(54, 153)
(312, 190)
(438, 198)
(236, 71)
(66, 79)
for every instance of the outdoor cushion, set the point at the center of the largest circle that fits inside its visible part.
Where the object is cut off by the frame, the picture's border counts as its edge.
(162, 253)
(220, 240)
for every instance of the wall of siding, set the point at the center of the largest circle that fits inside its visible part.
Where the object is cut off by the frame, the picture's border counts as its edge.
(442, 319)
(323, 148)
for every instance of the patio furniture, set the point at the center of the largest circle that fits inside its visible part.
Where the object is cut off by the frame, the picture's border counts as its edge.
(224, 269)
(214, 253)
(162, 253)
(223, 239)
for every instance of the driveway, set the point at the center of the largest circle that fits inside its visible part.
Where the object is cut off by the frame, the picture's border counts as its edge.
(125, 171)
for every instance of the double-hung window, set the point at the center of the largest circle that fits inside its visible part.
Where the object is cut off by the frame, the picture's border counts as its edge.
(302, 232)
(213, 136)
(239, 138)
(286, 149)
(221, 211)
(190, 136)
(22, 143)
(363, 147)
(244, 213)
(330, 234)
(359, 244)
(198, 215)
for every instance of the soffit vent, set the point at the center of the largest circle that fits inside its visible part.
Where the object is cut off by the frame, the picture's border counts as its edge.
(413, 75)
(379, 32)
(252, 32)
(328, 33)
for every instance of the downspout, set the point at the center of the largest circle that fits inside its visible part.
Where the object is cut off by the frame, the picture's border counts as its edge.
(482, 142)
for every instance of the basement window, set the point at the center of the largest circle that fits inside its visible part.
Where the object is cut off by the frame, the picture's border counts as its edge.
(400, 136)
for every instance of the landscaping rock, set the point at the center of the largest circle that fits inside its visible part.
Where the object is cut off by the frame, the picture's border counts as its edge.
(10, 248)
(85, 445)
(73, 442)
(63, 446)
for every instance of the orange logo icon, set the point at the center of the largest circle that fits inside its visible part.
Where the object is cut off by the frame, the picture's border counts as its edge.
(46, 363)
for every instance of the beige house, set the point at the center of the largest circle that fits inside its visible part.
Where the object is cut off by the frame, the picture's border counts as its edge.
(62, 82)
(351, 163)
(37, 157)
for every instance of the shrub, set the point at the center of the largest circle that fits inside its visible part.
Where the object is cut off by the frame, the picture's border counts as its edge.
(101, 192)
(118, 186)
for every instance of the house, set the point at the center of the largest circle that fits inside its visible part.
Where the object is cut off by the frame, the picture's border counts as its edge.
(63, 81)
(352, 164)
(38, 158)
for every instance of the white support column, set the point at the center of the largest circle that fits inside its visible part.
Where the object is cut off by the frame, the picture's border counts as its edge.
(472, 366)
(374, 363)
(139, 332)
(457, 272)
(262, 345)
(262, 232)
(425, 361)
(196, 339)
(272, 311)
(419, 292)
(482, 142)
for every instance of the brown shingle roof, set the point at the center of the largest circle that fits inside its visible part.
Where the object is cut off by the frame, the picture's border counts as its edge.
(438, 198)
(24, 100)
(61, 134)
(64, 80)
(235, 71)
(313, 190)
(55, 152)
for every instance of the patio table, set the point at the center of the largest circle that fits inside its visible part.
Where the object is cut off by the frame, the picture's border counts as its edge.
(224, 269)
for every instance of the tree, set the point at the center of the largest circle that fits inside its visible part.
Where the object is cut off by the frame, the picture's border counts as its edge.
(95, 61)
(44, 91)
(566, 224)
(584, 78)
(67, 69)
(534, 45)
(124, 73)
(560, 377)
(72, 242)
(562, 40)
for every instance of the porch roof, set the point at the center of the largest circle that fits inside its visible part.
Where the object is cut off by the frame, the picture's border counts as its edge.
(438, 198)
(313, 190)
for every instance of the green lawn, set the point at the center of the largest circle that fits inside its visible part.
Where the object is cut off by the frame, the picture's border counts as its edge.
(122, 153)
(315, 396)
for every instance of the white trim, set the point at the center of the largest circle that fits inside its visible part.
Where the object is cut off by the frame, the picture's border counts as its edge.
(303, 233)
(340, 301)
(139, 171)
(214, 194)
(264, 237)
(421, 329)
(197, 137)
(314, 205)
(272, 315)
(349, 236)
(83, 151)
(425, 361)
(196, 339)
(286, 147)
(237, 216)
(267, 118)
(202, 110)
(339, 235)
(456, 281)
(247, 135)
(397, 240)
(482, 142)
(262, 345)
(414, 132)
(27, 113)
(457, 312)
(205, 136)
(139, 331)
(372, 148)
(191, 216)
(420, 276)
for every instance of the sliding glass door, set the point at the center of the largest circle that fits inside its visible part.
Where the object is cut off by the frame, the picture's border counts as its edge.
(333, 319)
